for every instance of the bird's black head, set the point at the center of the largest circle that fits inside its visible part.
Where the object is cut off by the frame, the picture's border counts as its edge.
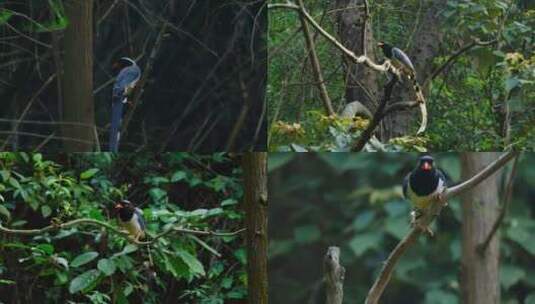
(124, 209)
(425, 163)
(387, 48)
(122, 63)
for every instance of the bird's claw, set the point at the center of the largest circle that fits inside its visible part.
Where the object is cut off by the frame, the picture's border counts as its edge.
(415, 223)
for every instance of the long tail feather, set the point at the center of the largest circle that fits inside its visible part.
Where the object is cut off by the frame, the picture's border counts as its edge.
(423, 109)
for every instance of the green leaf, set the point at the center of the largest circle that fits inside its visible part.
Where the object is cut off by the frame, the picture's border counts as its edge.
(46, 211)
(438, 296)
(157, 194)
(6, 282)
(84, 281)
(5, 15)
(5, 213)
(511, 83)
(193, 263)
(107, 266)
(510, 275)
(229, 202)
(37, 157)
(84, 258)
(364, 242)
(363, 219)
(307, 234)
(126, 250)
(89, 173)
(178, 176)
(14, 183)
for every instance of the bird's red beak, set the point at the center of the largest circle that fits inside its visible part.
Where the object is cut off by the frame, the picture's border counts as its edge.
(426, 166)
(118, 206)
(380, 44)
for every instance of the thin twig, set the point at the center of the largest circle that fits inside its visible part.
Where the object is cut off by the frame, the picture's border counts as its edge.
(433, 210)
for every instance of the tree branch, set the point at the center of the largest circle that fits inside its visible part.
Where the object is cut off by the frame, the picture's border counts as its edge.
(333, 276)
(385, 67)
(377, 117)
(454, 56)
(432, 211)
(87, 221)
(315, 63)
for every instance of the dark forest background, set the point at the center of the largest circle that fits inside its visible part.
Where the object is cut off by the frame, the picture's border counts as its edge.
(203, 92)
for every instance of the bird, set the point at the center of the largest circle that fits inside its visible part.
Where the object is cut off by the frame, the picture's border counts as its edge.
(423, 185)
(129, 75)
(402, 62)
(131, 218)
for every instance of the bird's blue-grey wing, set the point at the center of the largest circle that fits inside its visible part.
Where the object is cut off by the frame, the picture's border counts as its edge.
(403, 58)
(444, 176)
(406, 186)
(140, 218)
(126, 77)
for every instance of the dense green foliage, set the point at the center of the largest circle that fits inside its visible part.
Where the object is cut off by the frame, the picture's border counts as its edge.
(354, 201)
(91, 264)
(467, 102)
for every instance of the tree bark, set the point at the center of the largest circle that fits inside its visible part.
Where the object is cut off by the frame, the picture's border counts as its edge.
(78, 75)
(255, 179)
(480, 209)
(334, 275)
(355, 33)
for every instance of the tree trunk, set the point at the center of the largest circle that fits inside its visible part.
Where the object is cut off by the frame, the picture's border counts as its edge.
(354, 31)
(480, 209)
(255, 178)
(77, 79)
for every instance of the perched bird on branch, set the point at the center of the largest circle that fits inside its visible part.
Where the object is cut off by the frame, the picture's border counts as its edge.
(131, 218)
(423, 185)
(402, 62)
(129, 74)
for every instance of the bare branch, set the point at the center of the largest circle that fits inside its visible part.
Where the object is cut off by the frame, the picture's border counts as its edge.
(333, 276)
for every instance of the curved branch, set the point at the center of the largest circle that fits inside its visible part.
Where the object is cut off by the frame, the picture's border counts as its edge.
(86, 221)
(433, 210)
(454, 56)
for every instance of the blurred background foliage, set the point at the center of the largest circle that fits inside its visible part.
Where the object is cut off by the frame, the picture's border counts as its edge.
(87, 264)
(466, 103)
(355, 201)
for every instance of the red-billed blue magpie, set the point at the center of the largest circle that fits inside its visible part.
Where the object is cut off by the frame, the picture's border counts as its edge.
(402, 62)
(131, 218)
(423, 185)
(129, 74)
